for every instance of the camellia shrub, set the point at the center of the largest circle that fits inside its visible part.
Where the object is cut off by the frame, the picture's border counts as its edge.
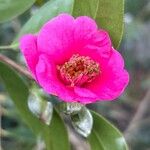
(71, 52)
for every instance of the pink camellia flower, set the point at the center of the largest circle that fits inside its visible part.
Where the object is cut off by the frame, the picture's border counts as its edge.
(74, 60)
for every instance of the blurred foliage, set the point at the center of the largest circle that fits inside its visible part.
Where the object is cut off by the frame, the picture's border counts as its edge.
(134, 7)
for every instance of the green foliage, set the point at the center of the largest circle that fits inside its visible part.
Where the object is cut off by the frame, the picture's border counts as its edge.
(55, 135)
(110, 16)
(19, 92)
(12, 8)
(105, 136)
(46, 12)
(135, 6)
(85, 8)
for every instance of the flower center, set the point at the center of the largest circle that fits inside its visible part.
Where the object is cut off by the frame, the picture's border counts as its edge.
(79, 70)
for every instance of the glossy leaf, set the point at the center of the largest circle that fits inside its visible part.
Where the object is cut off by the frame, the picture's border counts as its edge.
(56, 136)
(49, 10)
(110, 16)
(18, 91)
(105, 136)
(85, 8)
(12, 8)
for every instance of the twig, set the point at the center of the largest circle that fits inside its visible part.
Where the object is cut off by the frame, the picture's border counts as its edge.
(143, 106)
(14, 65)
(8, 47)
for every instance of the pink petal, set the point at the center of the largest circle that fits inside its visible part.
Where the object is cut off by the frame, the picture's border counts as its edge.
(112, 81)
(28, 46)
(47, 78)
(84, 29)
(85, 95)
(64, 36)
(99, 48)
(56, 38)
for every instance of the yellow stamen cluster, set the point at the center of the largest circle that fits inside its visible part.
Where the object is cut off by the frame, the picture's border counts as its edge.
(79, 70)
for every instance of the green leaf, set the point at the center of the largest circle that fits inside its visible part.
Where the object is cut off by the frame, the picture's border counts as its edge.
(45, 13)
(12, 8)
(18, 91)
(85, 8)
(56, 136)
(105, 136)
(110, 17)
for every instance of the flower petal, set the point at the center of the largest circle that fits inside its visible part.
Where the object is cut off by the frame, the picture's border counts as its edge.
(56, 38)
(84, 28)
(47, 78)
(99, 48)
(60, 39)
(112, 81)
(85, 95)
(28, 46)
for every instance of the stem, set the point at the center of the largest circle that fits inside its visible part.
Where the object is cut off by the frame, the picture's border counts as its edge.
(139, 115)
(6, 47)
(14, 65)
